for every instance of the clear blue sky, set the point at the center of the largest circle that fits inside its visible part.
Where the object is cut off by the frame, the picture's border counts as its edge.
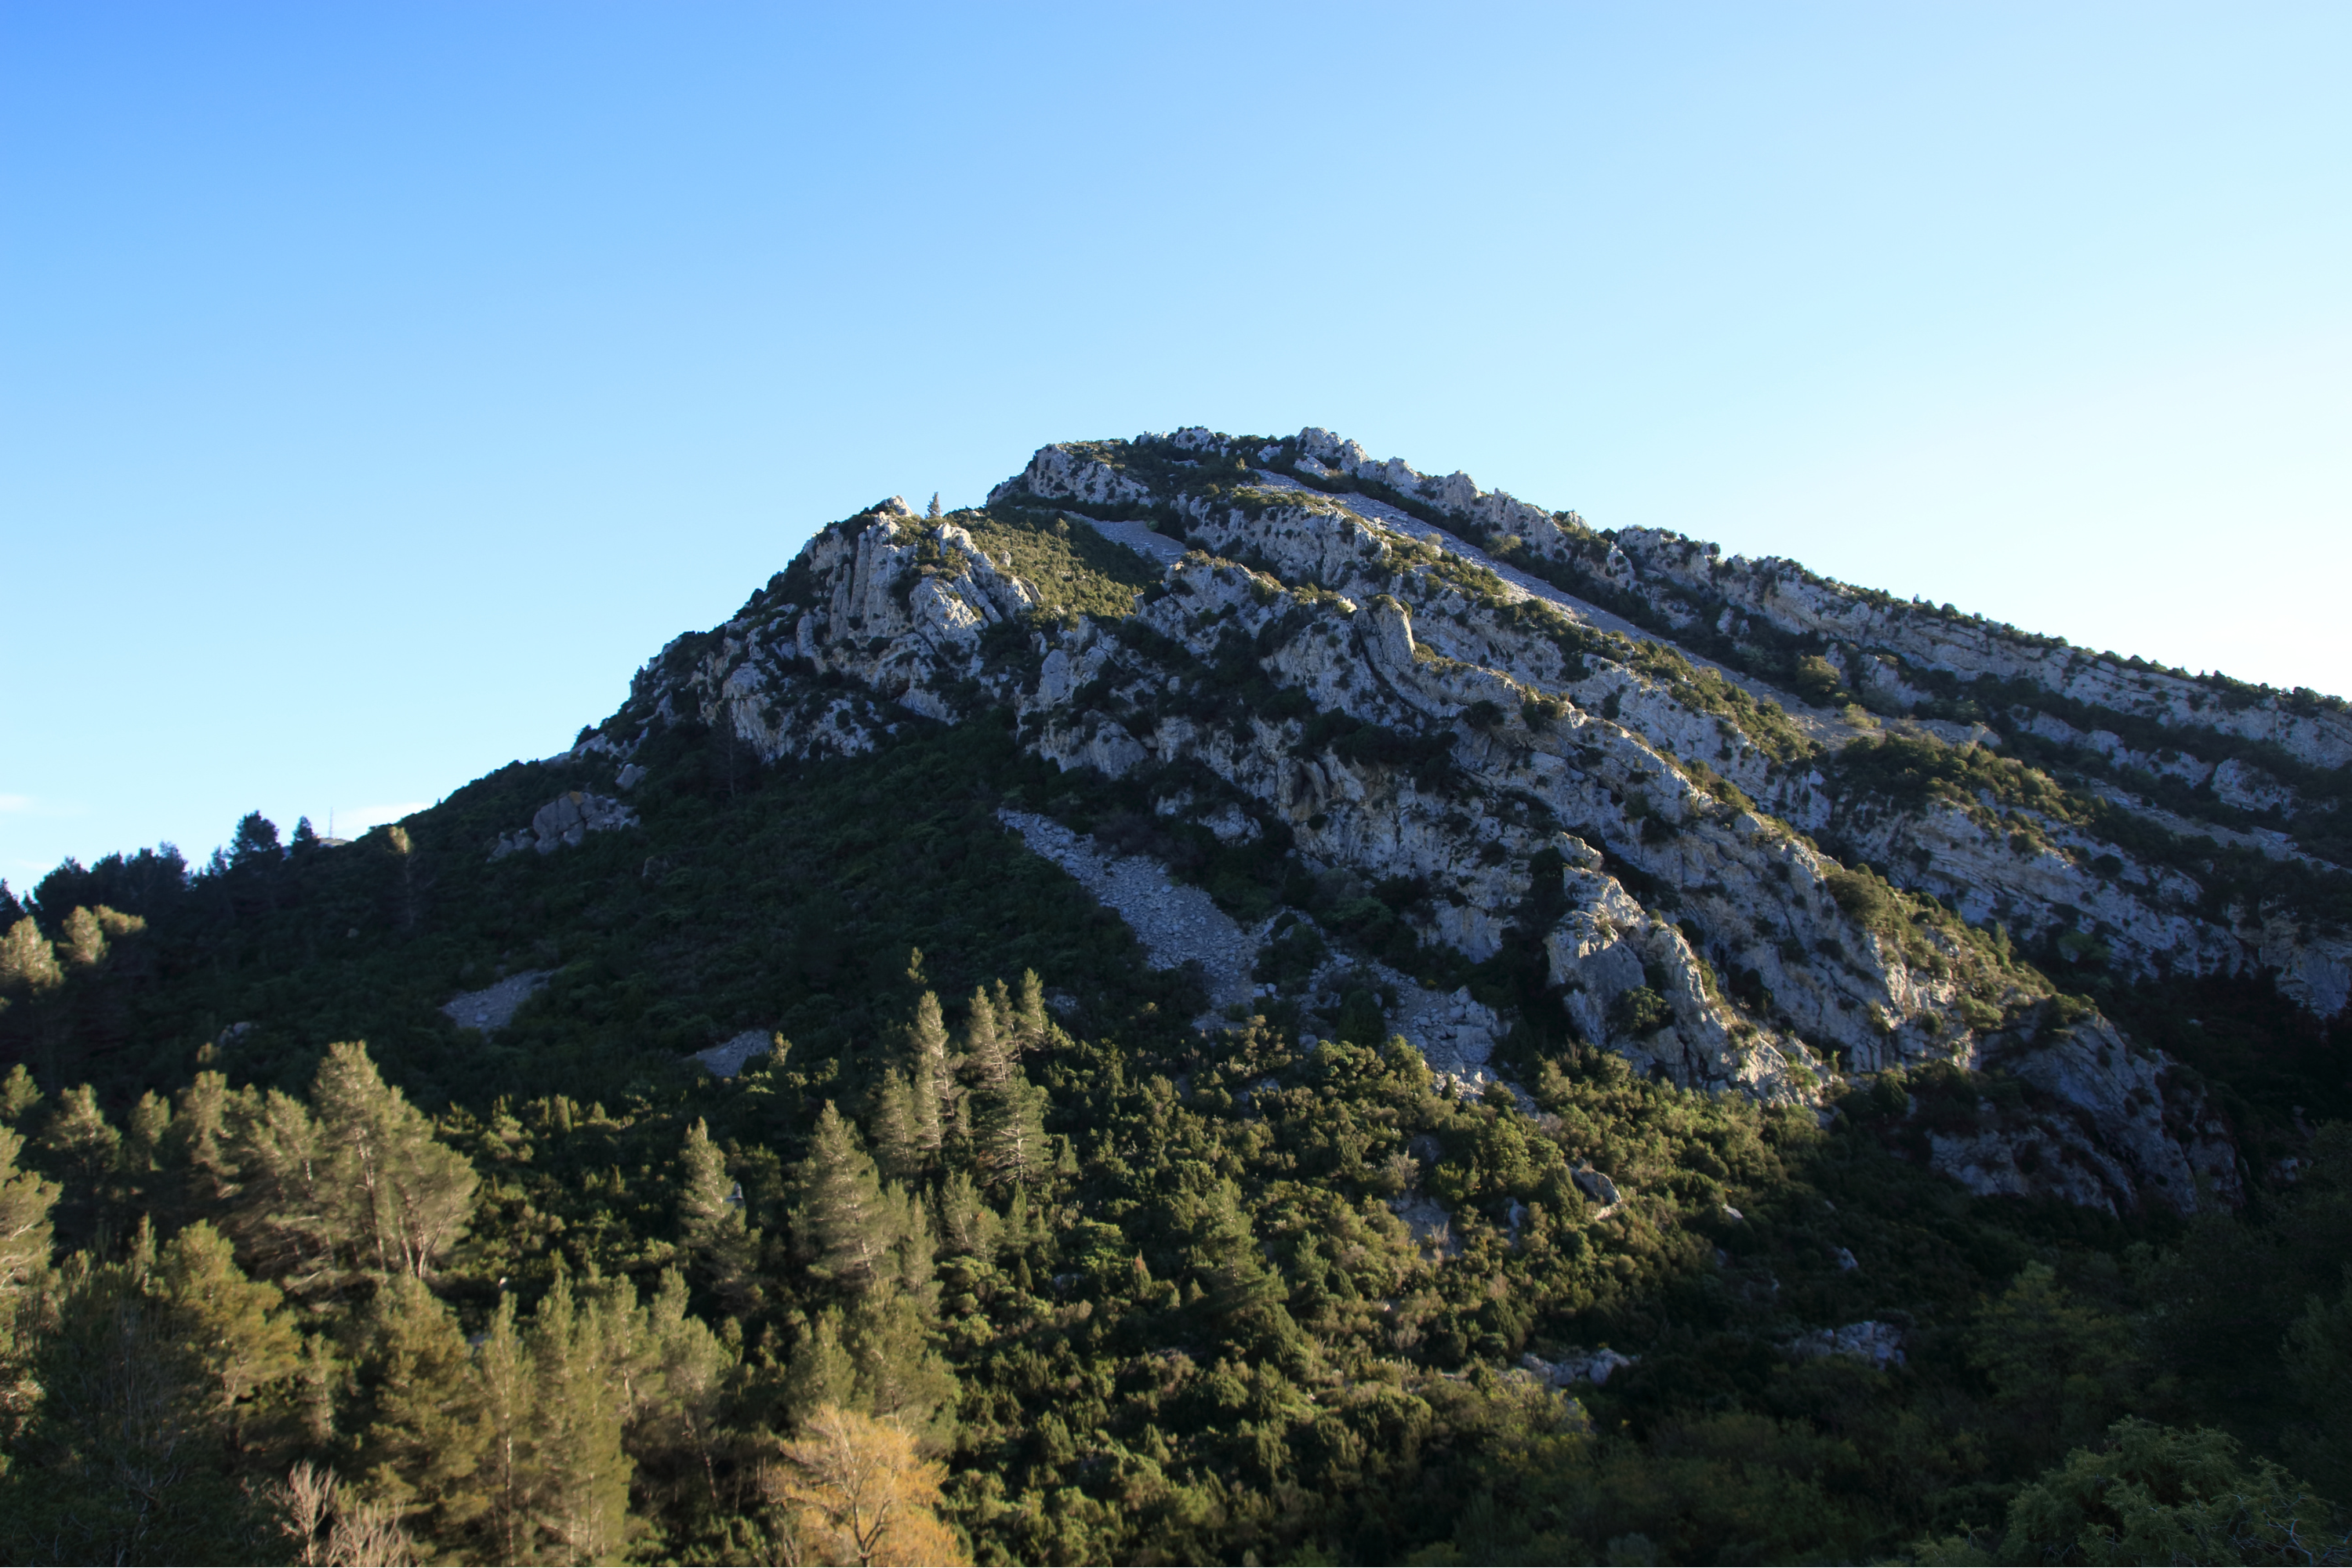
(380, 384)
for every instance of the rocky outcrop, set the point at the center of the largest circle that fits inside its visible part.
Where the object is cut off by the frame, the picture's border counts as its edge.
(568, 819)
(1329, 674)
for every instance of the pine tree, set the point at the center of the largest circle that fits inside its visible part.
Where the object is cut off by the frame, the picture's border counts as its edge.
(898, 1144)
(200, 1137)
(283, 1207)
(26, 1200)
(27, 962)
(18, 1095)
(256, 843)
(505, 1392)
(900, 1374)
(578, 1470)
(1030, 1020)
(121, 1458)
(842, 1222)
(423, 1433)
(968, 1227)
(232, 1326)
(928, 1077)
(681, 1388)
(406, 1196)
(85, 1149)
(710, 1214)
(81, 944)
(1006, 1113)
(935, 511)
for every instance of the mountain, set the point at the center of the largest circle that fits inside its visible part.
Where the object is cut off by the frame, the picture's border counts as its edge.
(1246, 999)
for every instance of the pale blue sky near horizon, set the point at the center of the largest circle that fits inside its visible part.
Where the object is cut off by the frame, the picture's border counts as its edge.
(381, 385)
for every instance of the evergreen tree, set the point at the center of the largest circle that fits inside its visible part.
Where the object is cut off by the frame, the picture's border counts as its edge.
(85, 1149)
(842, 1221)
(27, 962)
(26, 1200)
(579, 1472)
(898, 1142)
(11, 909)
(423, 1433)
(968, 1227)
(121, 1458)
(1007, 1113)
(1030, 1019)
(306, 838)
(200, 1138)
(820, 1371)
(283, 1207)
(929, 1080)
(149, 1131)
(81, 943)
(406, 1196)
(900, 1375)
(934, 511)
(232, 1327)
(505, 1392)
(256, 843)
(988, 1061)
(710, 1214)
(18, 1095)
(678, 1392)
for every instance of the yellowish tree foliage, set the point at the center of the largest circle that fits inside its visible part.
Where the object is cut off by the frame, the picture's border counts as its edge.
(851, 1489)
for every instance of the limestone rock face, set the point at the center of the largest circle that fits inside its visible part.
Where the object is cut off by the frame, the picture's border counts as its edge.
(568, 819)
(1407, 682)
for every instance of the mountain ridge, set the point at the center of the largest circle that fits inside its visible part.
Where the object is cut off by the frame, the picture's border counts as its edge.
(1296, 562)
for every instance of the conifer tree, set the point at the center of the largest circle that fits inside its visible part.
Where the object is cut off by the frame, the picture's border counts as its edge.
(121, 1459)
(504, 1390)
(821, 1372)
(934, 511)
(200, 1137)
(928, 1077)
(81, 944)
(405, 1194)
(679, 1387)
(968, 1227)
(710, 1212)
(27, 961)
(1029, 1016)
(283, 1209)
(842, 1221)
(578, 1470)
(150, 1128)
(423, 1433)
(987, 1063)
(26, 1200)
(897, 1145)
(900, 1374)
(18, 1095)
(232, 1327)
(85, 1149)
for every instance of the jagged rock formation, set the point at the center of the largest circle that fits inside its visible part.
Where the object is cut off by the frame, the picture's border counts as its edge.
(1764, 827)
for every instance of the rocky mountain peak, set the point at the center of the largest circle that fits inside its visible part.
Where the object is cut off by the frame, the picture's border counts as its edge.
(1748, 829)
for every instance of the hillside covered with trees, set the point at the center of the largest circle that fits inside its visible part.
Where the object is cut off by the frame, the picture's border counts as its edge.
(1007, 1246)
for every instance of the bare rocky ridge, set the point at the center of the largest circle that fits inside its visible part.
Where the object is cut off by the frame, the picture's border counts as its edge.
(1444, 710)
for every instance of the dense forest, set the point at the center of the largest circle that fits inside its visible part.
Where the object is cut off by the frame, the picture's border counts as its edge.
(993, 1255)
